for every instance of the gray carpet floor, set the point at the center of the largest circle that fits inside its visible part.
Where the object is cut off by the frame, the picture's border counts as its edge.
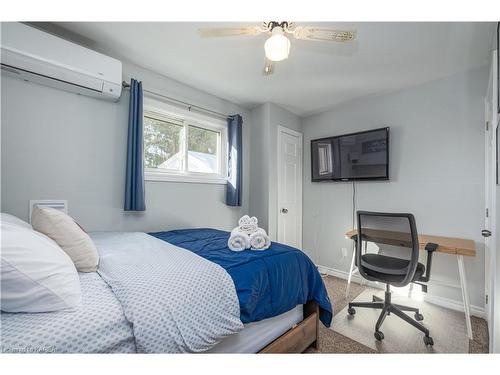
(334, 342)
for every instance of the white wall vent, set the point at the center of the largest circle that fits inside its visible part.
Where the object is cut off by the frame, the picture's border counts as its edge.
(58, 204)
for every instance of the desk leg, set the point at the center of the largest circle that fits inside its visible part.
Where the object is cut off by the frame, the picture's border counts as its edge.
(410, 290)
(465, 294)
(348, 287)
(357, 269)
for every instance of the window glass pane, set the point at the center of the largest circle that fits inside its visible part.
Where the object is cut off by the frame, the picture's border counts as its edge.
(162, 144)
(202, 150)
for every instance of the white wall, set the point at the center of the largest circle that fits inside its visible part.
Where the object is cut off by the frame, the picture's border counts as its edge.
(59, 145)
(436, 172)
(264, 163)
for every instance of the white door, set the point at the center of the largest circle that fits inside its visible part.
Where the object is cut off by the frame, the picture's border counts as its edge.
(489, 232)
(289, 187)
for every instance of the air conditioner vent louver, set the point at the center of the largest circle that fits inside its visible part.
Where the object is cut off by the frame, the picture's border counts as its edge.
(9, 69)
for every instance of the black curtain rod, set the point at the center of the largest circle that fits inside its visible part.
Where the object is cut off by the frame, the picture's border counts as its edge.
(177, 101)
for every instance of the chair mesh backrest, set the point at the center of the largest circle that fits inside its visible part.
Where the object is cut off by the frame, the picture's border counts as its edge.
(394, 234)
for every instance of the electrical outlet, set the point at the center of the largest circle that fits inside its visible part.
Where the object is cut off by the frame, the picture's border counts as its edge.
(344, 252)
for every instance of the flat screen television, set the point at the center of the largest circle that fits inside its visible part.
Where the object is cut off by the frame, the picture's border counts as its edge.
(356, 156)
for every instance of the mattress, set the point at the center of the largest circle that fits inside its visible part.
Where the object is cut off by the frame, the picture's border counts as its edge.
(257, 335)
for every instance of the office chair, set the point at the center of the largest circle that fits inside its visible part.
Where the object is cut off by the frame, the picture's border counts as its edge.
(392, 233)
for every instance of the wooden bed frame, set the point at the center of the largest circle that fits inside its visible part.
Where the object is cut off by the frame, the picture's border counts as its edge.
(303, 335)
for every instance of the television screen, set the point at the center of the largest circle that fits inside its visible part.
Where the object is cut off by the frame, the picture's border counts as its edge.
(325, 159)
(357, 156)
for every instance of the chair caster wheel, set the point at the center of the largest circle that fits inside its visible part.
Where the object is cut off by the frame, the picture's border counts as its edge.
(379, 335)
(419, 317)
(351, 311)
(428, 341)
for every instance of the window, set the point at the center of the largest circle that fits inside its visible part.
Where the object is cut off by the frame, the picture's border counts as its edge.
(183, 147)
(162, 143)
(202, 150)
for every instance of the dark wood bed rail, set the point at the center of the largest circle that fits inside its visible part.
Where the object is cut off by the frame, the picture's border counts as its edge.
(303, 335)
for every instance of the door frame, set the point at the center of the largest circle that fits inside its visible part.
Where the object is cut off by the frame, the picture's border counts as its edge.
(281, 130)
(492, 268)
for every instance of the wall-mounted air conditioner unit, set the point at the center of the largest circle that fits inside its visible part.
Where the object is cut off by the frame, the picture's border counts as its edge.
(33, 55)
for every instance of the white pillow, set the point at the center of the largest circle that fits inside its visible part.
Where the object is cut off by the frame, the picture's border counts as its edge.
(68, 235)
(36, 275)
(7, 218)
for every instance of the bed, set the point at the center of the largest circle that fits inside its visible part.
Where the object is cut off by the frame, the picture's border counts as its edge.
(182, 291)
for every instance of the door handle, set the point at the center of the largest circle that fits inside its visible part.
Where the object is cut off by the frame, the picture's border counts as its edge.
(284, 210)
(485, 233)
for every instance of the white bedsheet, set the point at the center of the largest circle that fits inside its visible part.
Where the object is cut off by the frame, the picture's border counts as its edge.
(98, 325)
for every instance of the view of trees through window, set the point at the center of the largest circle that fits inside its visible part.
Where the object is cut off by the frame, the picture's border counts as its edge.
(162, 140)
(202, 140)
(163, 146)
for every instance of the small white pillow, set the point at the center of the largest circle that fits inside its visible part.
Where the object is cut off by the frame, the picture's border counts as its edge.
(7, 218)
(36, 275)
(68, 235)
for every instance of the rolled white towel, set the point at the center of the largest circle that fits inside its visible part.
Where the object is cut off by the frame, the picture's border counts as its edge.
(259, 240)
(238, 241)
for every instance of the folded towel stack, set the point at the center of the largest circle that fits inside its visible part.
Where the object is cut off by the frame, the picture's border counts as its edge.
(248, 235)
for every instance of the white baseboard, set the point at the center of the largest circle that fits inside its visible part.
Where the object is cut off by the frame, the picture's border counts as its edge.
(453, 304)
(436, 300)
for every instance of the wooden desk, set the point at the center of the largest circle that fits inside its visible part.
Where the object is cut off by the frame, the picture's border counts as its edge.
(449, 245)
(453, 246)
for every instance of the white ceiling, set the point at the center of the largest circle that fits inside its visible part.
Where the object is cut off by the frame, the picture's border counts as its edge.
(317, 75)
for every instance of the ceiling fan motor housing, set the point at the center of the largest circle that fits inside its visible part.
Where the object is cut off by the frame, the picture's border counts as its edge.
(271, 25)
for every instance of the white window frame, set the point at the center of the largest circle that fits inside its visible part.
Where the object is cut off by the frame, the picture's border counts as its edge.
(160, 109)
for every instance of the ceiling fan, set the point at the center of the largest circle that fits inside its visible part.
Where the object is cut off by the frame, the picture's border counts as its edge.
(277, 46)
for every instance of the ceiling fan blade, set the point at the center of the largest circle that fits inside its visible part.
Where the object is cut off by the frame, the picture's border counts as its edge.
(323, 35)
(268, 68)
(210, 32)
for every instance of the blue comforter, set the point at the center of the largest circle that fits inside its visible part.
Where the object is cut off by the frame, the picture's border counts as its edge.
(268, 283)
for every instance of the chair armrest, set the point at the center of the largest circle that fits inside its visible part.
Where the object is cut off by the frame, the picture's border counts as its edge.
(430, 247)
(354, 237)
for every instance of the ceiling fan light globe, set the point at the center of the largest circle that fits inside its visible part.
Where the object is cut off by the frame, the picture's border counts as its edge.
(277, 47)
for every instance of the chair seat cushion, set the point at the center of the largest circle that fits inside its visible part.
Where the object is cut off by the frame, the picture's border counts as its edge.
(388, 268)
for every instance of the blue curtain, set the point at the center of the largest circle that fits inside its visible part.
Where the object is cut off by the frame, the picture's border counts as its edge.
(134, 183)
(235, 162)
